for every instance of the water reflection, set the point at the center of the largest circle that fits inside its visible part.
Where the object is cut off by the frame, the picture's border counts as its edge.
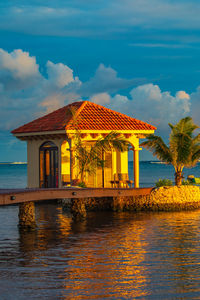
(109, 255)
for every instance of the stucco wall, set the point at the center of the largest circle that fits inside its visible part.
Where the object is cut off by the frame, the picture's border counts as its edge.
(33, 161)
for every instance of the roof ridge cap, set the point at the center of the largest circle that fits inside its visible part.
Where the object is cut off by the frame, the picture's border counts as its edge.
(83, 104)
(116, 112)
(77, 112)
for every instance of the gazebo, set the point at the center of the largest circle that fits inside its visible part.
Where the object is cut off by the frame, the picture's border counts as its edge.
(51, 145)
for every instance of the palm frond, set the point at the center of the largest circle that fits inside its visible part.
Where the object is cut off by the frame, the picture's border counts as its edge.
(195, 157)
(158, 147)
(89, 158)
(112, 140)
(196, 139)
(185, 126)
(182, 141)
(180, 146)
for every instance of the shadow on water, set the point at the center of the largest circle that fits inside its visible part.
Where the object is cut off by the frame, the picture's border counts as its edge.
(108, 255)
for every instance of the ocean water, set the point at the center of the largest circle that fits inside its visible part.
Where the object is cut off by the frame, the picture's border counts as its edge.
(107, 256)
(15, 175)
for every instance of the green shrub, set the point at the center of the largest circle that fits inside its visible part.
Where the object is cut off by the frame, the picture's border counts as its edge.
(187, 182)
(164, 182)
(197, 180)
(82, 184)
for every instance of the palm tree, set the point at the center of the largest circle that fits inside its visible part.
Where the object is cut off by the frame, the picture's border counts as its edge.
(90, 157)
(183, 150)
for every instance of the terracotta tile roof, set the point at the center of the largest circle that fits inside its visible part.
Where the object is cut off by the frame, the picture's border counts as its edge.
(90, 116)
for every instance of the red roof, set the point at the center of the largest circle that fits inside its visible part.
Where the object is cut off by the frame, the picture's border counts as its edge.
(90, 116)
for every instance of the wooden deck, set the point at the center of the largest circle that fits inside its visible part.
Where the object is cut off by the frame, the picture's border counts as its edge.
(15, 196)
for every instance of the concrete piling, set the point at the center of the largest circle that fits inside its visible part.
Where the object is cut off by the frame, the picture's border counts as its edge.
(27, 216)
(78, 209)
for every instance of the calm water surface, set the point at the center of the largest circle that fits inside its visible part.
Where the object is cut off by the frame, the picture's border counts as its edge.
(15, 176)
(108, 256)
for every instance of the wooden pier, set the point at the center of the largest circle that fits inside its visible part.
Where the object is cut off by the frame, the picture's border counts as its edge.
(17, 196)
(26, 198)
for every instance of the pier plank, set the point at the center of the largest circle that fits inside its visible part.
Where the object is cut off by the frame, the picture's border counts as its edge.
(15, 196)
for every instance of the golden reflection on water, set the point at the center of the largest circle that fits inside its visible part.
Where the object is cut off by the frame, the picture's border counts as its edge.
(64, 223)
(113, 263)
(117, 255)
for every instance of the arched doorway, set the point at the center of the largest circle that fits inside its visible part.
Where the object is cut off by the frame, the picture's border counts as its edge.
(48, 165)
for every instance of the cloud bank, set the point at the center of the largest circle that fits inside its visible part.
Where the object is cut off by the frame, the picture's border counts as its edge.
(27, 93)
(79, 18)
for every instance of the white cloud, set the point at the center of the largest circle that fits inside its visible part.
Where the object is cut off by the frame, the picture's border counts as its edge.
(102, 98)
(53, 102)
(26, 93)
(96, 18)
(195, 100)
(182, 95)
(159, 45)
(157, 107)
(23, 100)
(148, 103)
(106, 80)
(156, 13)
(59, 74)
(19, 63)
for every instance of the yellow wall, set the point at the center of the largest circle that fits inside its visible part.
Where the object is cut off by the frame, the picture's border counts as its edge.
(108, 176)
(122, 162)
(65, 161)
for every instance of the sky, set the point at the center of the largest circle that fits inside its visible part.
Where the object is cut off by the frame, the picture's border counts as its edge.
(138, 57)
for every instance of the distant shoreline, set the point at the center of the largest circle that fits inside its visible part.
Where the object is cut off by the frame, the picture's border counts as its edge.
(130, 162)
(13, 163)
(25, 163)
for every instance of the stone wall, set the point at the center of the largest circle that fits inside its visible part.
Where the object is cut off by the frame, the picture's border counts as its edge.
(91, 204)
(171, 198)
(98, 204)
(130, 203)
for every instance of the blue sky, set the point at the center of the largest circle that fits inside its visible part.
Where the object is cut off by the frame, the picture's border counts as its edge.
(139, 57)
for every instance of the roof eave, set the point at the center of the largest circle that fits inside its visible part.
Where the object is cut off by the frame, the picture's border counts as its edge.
(27, 135)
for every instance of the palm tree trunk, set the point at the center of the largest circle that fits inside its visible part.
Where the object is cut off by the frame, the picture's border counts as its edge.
(82, 176)
(178, 178)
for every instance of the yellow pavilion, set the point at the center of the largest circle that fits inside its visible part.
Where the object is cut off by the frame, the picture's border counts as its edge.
(51, 143)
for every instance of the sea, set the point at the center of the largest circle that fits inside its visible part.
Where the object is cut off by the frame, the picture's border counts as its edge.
(14, 174)
(109, 255)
